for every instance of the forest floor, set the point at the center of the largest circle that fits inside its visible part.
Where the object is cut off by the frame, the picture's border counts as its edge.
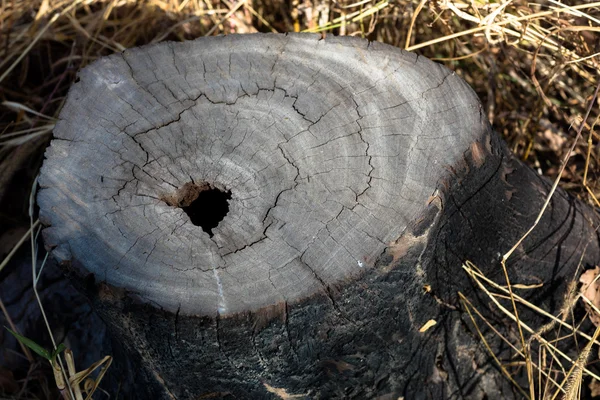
(533, 65)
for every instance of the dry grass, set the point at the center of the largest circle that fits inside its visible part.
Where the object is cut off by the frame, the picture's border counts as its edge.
(534, 65)
(545, 380)
(552, 372)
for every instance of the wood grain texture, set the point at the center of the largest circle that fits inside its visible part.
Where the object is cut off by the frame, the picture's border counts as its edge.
(359, 174)
(329, 147)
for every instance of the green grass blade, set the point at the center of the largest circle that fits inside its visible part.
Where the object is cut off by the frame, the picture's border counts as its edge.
(33, 345)
(61, 347)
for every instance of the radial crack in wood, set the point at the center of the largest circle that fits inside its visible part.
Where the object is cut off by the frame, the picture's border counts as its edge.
(328, 149)
(271, 214)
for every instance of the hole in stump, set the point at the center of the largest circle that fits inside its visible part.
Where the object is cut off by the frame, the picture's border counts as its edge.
(209, 208)
(204, 204)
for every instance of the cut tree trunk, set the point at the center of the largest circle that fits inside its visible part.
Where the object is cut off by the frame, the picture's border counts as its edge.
(266, 216)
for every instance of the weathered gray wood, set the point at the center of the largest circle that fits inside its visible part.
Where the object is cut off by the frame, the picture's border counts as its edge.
(358, 174)
(329, 149)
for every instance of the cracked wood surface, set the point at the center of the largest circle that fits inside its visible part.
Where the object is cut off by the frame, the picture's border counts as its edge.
(329, 147)
(359, 175)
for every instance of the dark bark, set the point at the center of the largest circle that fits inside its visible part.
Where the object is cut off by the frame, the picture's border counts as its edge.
(316, 289)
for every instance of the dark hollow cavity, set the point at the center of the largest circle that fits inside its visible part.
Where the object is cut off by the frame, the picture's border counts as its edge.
(211, 206)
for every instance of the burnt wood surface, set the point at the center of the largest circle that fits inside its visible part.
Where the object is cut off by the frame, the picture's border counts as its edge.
(357, 175)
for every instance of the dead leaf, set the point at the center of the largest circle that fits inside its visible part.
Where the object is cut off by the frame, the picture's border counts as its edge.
(554, 139)
(595, 388)
(590, 289)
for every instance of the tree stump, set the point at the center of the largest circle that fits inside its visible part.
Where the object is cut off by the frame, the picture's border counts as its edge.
(258, 216)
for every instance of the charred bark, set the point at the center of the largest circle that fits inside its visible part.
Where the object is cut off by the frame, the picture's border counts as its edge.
(357, 180)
